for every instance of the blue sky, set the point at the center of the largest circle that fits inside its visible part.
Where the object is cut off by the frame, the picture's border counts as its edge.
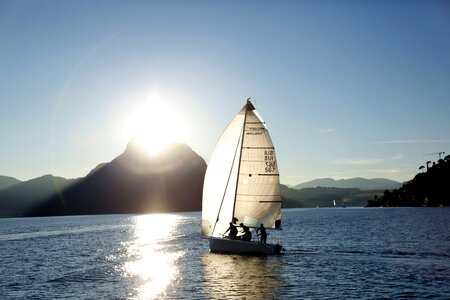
(347, 88)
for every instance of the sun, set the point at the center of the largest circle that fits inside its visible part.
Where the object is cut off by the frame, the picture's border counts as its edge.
(155, 124)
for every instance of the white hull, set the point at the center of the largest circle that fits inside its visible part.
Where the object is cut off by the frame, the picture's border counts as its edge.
(224, 245)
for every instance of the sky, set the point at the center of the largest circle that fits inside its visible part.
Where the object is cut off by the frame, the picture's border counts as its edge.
(346, 88)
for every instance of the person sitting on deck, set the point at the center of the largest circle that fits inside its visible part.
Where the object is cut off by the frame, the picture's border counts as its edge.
(233, 231)
(263, 233)
(247, 236)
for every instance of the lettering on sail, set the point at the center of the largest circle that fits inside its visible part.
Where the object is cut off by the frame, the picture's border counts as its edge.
(269, 160)
(255, 130)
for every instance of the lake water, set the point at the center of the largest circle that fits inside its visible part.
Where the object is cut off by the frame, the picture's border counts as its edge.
(331, 254)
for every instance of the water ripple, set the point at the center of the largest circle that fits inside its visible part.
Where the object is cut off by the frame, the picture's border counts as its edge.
(331, 254)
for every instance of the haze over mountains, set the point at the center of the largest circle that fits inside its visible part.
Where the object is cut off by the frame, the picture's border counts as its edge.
(6, 181)
(135, 182)
(356, 183)
(131, 183)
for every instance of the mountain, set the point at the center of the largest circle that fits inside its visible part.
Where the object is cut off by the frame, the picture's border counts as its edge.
(357, 183)
(98, 167)
(6, 181)
(326, 196)
(19, 198)
(133, 182)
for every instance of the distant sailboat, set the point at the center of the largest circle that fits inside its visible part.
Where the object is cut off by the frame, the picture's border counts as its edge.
(242, 185)
(334, 203)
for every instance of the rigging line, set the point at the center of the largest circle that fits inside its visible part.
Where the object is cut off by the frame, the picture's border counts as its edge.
(226, 186)
(247, 108)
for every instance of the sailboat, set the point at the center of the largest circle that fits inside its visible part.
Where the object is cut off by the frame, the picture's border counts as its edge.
(242, 186)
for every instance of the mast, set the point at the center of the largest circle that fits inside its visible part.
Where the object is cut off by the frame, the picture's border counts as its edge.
(248, 106)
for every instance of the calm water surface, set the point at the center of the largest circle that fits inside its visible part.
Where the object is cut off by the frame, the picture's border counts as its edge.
(331, 254)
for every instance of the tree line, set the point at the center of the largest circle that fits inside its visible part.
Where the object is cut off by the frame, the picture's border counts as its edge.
(429, 188)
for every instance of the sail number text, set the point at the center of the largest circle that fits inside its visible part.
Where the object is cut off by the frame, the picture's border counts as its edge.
(269, 160)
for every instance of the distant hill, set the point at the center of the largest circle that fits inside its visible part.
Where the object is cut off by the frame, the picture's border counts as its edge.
(133, 182)
(357, 183)
(6, 181)
(324, 196)
(18, 199)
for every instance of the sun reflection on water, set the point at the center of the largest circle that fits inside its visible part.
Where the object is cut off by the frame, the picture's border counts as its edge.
(151, 263)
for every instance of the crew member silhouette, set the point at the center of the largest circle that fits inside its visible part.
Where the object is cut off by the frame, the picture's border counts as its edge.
(233, 231)
(247, 236)
(262, 232)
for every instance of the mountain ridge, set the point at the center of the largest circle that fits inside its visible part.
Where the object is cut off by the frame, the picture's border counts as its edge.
(17, 199)
(356, 182)
(326, 197)
(133, 182)
(7, 181)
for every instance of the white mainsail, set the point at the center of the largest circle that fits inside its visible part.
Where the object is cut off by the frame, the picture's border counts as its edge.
(242, 179)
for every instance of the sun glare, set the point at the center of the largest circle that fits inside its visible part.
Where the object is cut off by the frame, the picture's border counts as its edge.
(155, 124)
